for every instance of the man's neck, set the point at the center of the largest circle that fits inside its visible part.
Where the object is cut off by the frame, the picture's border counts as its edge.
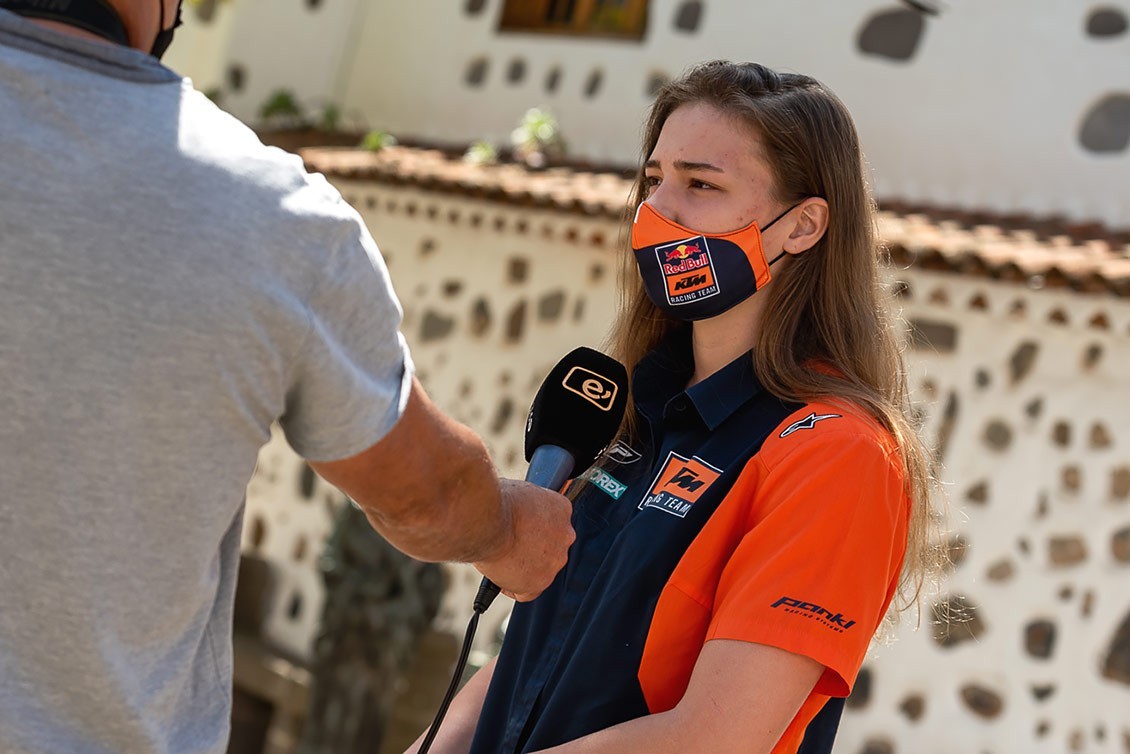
(72, 31)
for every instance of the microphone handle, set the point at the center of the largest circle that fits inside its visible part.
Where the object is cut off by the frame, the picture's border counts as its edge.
(550, 467)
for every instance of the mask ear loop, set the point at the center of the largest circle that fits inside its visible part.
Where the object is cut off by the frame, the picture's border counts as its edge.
(770, 224)
(778, 217)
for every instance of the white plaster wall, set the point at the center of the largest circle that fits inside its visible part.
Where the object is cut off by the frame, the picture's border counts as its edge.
(277, 44)
(1086, 601)
(201, 48)
(443, 260)
(984, 116)
(471, 376)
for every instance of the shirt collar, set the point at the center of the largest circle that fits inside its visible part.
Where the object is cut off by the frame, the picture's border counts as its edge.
(103, 57)
(659, 383)
(724, 392)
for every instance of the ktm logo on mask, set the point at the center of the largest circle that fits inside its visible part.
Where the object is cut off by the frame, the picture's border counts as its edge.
(688, 270)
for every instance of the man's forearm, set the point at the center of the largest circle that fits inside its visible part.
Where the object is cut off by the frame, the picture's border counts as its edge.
(458, 513)
(430, 488)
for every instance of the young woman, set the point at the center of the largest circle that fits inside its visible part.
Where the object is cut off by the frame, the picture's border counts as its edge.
(768, 501)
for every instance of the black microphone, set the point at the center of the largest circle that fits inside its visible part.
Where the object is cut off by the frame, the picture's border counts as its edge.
(575, 415)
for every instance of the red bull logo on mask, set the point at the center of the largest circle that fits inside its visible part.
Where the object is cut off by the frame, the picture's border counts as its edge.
(683, 251)
(688, 270)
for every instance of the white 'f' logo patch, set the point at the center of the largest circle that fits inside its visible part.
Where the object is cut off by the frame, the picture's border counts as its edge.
(807, 422)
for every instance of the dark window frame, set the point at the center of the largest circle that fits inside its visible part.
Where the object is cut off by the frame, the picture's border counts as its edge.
(603, 19)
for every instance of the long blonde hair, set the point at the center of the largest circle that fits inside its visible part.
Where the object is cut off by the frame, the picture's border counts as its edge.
(825, 306)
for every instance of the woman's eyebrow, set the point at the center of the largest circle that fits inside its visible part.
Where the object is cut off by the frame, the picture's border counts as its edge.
(686, 166)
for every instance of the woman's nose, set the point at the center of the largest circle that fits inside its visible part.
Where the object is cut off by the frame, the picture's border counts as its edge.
(662, 202)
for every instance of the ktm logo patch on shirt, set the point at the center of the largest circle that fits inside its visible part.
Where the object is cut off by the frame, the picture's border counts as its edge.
(679, 484)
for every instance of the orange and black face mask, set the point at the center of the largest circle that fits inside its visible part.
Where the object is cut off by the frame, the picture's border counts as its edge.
(691, 275)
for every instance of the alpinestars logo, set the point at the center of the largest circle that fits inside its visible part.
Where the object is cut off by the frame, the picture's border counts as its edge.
(807, 422)
(811, 610)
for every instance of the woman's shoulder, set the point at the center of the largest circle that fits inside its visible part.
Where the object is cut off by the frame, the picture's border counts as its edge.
(818, 425)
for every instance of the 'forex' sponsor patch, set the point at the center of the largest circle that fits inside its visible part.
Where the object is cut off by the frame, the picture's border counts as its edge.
(607, 483)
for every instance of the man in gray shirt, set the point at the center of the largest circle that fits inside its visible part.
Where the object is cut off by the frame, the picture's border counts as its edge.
(169, 287)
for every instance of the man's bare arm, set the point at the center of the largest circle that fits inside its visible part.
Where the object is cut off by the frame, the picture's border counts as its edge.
(429, 487)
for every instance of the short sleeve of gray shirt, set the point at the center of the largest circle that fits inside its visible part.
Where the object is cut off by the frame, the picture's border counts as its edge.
(169, 288)
(352, 375)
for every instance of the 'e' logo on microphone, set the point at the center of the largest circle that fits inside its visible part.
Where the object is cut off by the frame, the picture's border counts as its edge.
(597, 390)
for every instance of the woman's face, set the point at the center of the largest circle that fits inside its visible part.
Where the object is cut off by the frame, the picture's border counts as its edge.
(707, 172)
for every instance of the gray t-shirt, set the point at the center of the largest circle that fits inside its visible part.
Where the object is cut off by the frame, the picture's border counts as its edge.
(169, 287)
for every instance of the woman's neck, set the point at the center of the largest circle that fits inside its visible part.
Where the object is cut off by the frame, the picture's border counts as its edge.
(719, 340)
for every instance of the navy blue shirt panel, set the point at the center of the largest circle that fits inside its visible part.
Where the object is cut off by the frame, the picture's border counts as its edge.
(570, 661)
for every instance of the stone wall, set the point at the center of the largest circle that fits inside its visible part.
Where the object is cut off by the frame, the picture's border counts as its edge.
(1025, 394)
(493, 297)
(1022, 389)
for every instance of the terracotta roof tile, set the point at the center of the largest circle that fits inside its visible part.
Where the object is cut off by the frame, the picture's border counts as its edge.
(1042, 252)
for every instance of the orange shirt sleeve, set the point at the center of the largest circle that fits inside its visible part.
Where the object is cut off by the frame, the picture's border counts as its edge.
(820, 562)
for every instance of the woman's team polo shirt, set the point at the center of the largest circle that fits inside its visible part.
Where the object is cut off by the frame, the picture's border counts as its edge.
(733, 515)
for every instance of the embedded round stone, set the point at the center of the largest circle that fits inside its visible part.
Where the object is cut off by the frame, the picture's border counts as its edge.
(1067, 550)
(861, 690)
(913, 706)
(1116, 666)
(877, 746)
(1002, 570)
(1039, 638)
(982, 701)
(956, 620)
(1120, 545)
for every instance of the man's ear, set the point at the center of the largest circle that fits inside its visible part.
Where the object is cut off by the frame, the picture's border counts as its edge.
(809, 227)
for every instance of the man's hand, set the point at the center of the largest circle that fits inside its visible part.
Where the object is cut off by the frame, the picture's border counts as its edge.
(430, 488)
(540, 537)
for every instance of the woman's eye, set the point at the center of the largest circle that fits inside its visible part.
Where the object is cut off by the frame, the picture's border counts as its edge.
(700, 185)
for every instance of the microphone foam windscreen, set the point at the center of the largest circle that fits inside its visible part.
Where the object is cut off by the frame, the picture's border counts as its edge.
(579, 407)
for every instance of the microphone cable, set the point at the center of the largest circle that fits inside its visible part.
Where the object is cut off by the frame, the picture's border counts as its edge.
(486, 595)
(586, 389)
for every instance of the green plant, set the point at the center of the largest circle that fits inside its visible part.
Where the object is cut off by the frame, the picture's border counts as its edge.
(377, 140)
(329, 119)
(281, 110)
(537, 137)
(205, 9)
(481, 153)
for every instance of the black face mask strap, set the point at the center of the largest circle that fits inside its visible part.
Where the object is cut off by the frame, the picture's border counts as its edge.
(165, 36)
(770, 224)
(94, 16)
(778, 217)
